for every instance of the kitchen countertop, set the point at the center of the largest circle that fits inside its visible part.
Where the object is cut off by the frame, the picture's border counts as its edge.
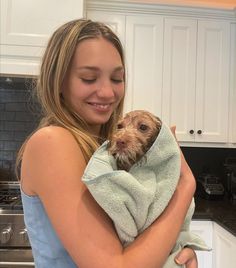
(222, 212)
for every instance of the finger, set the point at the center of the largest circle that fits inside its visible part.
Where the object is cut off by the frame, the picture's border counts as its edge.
(188, 257)
(173, 129)
(192, 263)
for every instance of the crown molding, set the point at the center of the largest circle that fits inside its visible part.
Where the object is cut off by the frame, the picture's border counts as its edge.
(129, 7)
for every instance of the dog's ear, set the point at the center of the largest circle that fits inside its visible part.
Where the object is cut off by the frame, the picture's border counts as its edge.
(158, 123)
(152, 139)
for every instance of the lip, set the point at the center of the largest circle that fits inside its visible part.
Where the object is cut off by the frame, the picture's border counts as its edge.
(101, 107)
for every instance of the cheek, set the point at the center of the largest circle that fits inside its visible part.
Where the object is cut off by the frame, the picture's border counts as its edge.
(120, 92)
(75, 91)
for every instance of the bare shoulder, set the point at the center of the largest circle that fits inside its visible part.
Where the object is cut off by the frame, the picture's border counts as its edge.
(51, 139)
(47, 135)
(50, 155)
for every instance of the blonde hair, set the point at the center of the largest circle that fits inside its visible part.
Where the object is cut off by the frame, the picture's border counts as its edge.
(55, 63)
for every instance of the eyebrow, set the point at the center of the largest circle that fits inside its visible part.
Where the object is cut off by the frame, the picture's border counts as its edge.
(93, 68)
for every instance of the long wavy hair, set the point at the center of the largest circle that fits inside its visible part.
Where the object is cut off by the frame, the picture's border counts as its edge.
(55, 63)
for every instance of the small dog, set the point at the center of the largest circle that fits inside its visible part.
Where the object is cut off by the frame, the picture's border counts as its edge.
(134, 136)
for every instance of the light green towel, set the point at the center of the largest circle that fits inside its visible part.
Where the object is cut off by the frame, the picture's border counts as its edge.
(134, 199)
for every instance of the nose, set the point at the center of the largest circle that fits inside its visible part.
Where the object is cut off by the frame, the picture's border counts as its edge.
(106, 90)
(121, 143)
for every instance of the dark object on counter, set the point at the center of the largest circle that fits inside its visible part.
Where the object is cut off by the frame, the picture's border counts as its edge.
(230, 177)
(209, 187)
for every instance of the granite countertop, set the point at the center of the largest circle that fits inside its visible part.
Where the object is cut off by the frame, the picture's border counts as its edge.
(222, 212)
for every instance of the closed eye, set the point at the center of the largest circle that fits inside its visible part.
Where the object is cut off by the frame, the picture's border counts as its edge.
(117, 81)
(88, 81)
(118, 75)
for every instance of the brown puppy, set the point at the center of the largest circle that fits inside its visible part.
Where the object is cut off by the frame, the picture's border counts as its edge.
(135, 134)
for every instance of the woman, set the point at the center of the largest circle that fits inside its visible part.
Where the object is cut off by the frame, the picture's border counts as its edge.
(81, 90)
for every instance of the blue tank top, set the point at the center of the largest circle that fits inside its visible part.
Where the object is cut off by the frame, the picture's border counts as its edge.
(48, 251)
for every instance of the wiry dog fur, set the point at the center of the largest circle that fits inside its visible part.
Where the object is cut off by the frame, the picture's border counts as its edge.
(135, 134)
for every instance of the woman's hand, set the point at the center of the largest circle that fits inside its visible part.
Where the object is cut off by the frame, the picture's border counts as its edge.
(187, 257)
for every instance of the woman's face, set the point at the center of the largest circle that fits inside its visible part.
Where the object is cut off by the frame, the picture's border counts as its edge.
(94, 84)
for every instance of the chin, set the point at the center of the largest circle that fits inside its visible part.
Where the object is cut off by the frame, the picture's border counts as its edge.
(99, 120)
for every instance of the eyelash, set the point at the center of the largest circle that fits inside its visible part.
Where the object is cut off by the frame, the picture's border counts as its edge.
(117, 81)
(91, 81)
(88, 81)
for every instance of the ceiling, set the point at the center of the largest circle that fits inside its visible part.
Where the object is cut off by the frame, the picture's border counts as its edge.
(227, 4)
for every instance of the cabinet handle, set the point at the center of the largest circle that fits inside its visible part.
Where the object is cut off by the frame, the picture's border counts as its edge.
(191, 131)
(199, 132)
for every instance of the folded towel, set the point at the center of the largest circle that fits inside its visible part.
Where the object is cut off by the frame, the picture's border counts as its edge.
(134, 199)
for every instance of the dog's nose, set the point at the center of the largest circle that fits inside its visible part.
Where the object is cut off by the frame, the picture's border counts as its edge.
(120, 143)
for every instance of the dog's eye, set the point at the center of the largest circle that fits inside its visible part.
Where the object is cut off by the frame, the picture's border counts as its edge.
(119, 126)
(143, 127)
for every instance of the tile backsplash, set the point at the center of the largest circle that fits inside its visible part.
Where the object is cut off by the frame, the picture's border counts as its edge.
(208, 160)
(19, 115)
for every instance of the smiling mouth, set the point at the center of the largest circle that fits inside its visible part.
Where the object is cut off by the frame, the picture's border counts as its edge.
(100, 105)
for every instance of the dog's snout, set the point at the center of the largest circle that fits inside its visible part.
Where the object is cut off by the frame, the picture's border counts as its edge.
(121, 143)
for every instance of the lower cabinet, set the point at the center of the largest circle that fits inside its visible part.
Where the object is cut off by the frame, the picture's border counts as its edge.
(204, 229)
(222, 242)
(224, 252)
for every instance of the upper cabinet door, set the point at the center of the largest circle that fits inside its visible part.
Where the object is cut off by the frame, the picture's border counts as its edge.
(30, 23)
(115, 21)
(196, 79)
(179, 71)
(144, 54)
(212, 81)
(25, 29)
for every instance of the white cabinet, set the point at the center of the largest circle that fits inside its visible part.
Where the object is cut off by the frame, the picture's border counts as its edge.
(25, 28)
(222, 242)
(224, 253)
(115, 21)
(212, 81)
(179, 75)
(196, 78)
(204, 229)
(178, 68)
(144, 51)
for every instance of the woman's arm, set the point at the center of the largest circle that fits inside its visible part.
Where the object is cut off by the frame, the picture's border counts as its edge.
(164, 232)
(52, 168)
